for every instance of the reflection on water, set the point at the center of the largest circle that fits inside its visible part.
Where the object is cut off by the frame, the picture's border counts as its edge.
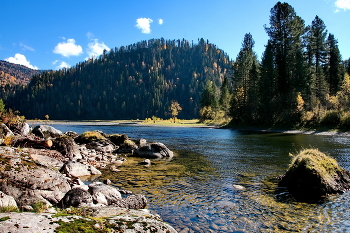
(197, 190)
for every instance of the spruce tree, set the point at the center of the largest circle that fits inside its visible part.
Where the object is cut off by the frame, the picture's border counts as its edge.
(334, 69)
(285, 31)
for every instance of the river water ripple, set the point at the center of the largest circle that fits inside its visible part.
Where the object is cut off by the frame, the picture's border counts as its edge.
(223, 180)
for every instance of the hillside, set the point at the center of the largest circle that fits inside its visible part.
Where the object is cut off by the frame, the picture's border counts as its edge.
(133, 82)
(14, 74)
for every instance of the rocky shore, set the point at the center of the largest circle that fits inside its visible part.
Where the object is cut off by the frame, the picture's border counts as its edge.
(42, 188)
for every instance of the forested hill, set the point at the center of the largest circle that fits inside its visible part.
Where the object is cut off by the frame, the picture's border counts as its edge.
(132, 82)
(14, 74)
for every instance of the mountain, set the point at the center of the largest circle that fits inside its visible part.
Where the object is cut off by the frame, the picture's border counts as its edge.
(131, 82)
(15, 74)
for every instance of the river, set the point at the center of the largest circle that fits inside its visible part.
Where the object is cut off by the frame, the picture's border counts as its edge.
(223, 180)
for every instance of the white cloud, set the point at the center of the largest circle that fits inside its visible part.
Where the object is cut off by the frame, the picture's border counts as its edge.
(21, 60)
(144, 24)
(95, 48)
(342, 5)
(160, 21)
(62, 65)
(25, 47)
(68, 48)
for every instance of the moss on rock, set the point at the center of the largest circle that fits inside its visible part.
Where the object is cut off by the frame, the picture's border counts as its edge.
(313, 175)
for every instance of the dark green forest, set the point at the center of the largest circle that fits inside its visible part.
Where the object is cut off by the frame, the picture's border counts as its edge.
(132, 82)
(301, 80)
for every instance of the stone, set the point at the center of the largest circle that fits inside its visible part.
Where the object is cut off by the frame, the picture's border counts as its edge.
(154, 150)
(110, 193)
(46, 131)
(7, 201)
(5, 131)
(76, 169)
(146, 162)
(312, 175)
(76, 198)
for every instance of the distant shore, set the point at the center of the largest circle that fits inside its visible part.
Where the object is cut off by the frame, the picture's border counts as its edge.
(193, 124)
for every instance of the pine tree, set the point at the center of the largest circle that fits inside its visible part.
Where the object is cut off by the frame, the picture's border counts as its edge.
(334, 69)
(316, 45)
(225, 97)
(245, 80)
(267, 84)
(285, 31)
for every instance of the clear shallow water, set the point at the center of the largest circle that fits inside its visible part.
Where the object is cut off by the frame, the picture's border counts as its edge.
(195, 191)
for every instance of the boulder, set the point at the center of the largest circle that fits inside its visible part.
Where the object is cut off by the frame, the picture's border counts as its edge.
(67, 146)
(29, 183)
(102, 146)
(5, 131)
(76, 169)
(154, 150)
(76, 197)
(130, 221)
(46, 131)
(100, 191)
(312, 175)
(7, 201)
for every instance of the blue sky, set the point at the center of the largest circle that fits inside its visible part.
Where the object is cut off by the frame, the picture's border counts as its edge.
(44, 34)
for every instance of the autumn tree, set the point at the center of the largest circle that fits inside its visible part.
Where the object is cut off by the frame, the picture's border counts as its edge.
(175, 108)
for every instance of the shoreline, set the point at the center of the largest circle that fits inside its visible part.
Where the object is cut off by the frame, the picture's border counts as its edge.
(189, 125)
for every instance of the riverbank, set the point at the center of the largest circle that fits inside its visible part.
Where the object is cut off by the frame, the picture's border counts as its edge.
(331, 132)
(190, 124)
(183, 123)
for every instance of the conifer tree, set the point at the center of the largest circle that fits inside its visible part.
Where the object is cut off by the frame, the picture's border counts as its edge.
(285, 31)
(245, 80)
(334, 69)
(316, 45)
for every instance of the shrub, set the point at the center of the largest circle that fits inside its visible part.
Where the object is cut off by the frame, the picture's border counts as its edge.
(345, 121)
(329, 118)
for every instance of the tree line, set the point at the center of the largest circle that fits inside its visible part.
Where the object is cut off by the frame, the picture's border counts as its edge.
(301, 79)
(131, 82)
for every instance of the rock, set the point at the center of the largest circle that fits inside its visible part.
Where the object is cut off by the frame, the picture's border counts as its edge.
(100, 190)
(136, 201)
(127, 147)
(5, 131)
(130, 221)
(47, 161)
(76, 198)
(102, 146)
(118, 139)
(154, 150)
(7, 201)
(67, 146)
(46, 131)
(76, 169)
(146, 162)
(107, 181)
(312, 175)
(22, 129)
(28, 183)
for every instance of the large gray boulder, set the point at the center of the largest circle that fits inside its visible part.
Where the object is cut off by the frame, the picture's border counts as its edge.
(46, 131)
(76, 169)
(29, 183)
(102, 193)
(154, 150)
(76, 197)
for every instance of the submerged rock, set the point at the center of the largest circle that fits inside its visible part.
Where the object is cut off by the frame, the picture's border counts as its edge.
(312, 175)
(154, 150)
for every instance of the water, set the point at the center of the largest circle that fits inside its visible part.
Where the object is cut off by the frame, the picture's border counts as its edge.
(197, 190)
